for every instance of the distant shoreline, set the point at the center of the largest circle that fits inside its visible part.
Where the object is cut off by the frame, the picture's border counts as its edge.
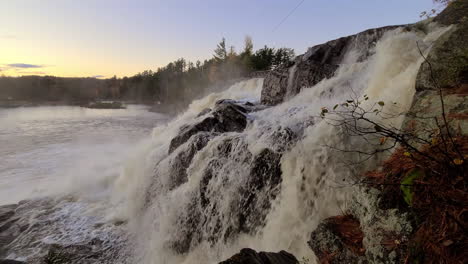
(99, 104)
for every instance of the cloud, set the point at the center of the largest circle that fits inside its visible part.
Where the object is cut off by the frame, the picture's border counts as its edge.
(23, 69)
(32, 73)
(24, 65)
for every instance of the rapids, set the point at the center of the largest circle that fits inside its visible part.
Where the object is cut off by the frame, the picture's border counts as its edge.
(197, 221)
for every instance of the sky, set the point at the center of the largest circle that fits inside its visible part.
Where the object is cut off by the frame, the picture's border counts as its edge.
(103, 38)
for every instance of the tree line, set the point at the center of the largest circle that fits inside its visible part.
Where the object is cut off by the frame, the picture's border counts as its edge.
(177, 83)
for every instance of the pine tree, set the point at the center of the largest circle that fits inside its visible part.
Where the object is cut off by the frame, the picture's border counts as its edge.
(220, 51)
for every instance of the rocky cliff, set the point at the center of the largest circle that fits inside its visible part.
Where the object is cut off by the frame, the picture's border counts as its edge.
(319, 62)
(379, 232)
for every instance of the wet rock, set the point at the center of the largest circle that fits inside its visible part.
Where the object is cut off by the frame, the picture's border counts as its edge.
(338, 240)
(216, 218)
(254, 197)
(448, 56)
(265, 176)
(250, 256)
(10, 261)
(183, 158)
(230, 115)
(7, 220)
(71, 254)
(318, 63)
(227, 116)
(204, 112)
(6, 212)
(38, 231)
(258, 74)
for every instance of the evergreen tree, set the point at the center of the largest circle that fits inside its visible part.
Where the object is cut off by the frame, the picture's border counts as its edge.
(220, 51)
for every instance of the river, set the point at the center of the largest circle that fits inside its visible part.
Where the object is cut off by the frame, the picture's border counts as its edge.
(44, 150)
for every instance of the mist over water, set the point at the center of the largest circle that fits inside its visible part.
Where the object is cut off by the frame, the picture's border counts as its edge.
(63, 149)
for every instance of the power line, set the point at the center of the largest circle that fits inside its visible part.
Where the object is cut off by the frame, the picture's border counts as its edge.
(286, 17)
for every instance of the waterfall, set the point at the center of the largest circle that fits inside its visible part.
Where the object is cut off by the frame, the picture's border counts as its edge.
(216, 206)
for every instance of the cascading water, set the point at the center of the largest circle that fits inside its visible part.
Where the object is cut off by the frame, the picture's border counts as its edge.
(268, 186)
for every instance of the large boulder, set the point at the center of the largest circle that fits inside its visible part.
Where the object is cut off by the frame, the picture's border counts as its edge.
(227, 116)
(250, 256)
(318, 63)
(338, 240)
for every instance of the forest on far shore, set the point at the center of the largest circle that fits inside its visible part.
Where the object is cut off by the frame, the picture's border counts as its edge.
(178, 82)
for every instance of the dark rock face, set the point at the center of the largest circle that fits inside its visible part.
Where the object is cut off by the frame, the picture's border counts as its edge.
(250, 256)
(182, 160)
(204, 218)
(318, 63)
(258, 74)
(227, 116)
(71, 254)
(10, 261)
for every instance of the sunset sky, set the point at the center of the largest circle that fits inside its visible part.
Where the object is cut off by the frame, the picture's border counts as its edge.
(123, 37)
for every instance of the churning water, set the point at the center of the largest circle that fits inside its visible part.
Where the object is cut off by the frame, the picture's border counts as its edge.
(180, 225)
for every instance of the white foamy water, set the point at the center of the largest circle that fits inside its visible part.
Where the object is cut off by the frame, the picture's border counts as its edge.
(164, 220)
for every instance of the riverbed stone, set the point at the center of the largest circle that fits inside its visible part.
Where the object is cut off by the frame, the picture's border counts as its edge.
(250, 256)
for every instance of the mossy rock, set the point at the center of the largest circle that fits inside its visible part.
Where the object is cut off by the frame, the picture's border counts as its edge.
(449, 55)
(449, 61)
(454, 13)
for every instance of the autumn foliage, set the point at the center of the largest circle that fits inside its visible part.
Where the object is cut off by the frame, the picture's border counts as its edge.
(439, 200)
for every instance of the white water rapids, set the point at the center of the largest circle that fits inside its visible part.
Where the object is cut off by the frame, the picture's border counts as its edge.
(310, 170)
(158, 216)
